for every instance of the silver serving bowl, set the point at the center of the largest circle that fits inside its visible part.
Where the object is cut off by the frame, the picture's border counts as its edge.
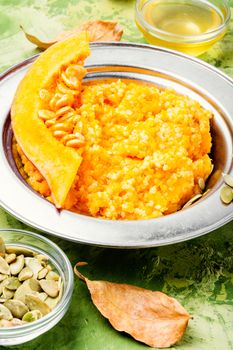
(162, 67)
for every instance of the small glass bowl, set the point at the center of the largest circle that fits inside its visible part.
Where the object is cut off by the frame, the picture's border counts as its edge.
(193, 45)
(21, 334)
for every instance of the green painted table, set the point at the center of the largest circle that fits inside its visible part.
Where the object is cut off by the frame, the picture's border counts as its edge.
(199, 273)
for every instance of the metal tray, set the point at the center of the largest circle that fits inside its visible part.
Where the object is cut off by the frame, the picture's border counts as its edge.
(165, 68)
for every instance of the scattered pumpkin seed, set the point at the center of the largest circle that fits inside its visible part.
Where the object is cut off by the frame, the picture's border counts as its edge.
(5, 313)
(32, 316)
(4, 267)
(18, 265)
(34, 303)
(201, 183)
(10, 258)
(228, 179)
(205, 193)
(226, 194)
(192, 200)
(16, 307)
(25, 274)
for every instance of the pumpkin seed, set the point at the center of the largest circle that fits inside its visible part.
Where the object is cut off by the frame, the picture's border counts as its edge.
(16, 307)
(18, 265)
(43, 259)
(5, 313)
(5, 323)
(32, 316)
(30, 286)
(2, 246)
(19, 250)
(3, 284)
(40, 291)
(42, 273)
(7, 293)
(1, 287)
(43, 296)
(226, 194)
(228, 179)
(34, 265)
(192, 200)
(16, 322)
(52, 302)
(34, 303)
(12, 283)
(49, 267)
(25, 274)
(2, 277)
(206, 192)
(201, 183)
(34, 284)
(4, 267)
(59, 283)
(52, 276)
(10, 258)
(50, 287)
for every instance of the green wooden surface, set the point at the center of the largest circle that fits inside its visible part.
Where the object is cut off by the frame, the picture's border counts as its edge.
(199, 273)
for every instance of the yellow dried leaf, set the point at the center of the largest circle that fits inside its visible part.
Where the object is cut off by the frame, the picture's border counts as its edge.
(43, 45)
(98, 31)
(150, 317)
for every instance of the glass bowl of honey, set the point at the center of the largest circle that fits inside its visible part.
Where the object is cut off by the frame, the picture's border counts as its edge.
(190, 26)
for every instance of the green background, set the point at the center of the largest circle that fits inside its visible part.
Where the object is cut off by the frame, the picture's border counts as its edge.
(199, 273)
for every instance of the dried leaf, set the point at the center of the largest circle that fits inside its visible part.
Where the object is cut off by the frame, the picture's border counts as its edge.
(43, 45)
(98, 31)
(150, 317)
(102, 30)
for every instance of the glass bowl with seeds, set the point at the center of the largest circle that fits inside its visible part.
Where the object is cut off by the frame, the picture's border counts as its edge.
(36, 285)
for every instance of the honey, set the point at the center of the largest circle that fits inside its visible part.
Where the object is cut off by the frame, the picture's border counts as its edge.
(185, 25)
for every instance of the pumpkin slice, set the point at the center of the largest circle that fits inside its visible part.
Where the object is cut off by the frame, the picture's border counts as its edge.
(56, 162)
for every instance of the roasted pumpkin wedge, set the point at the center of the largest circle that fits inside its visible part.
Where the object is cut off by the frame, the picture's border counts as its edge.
(46, 88)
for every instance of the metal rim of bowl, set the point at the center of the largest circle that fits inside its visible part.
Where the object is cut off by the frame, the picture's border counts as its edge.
(213, 87)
